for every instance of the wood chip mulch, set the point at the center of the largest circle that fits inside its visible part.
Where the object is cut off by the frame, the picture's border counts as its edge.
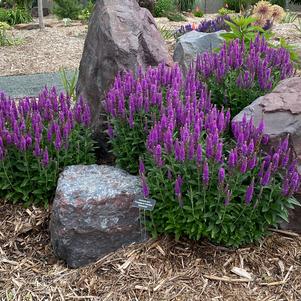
(156, 270)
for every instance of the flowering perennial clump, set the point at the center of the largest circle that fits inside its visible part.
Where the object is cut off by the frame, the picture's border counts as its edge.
(207, 181)
(208, 26)
(208, 185)
(238, 74)
(133, 105)
(38, 137)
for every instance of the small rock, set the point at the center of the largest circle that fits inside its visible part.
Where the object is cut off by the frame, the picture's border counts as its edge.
(281, 113)
(92, 213)
(193, 43)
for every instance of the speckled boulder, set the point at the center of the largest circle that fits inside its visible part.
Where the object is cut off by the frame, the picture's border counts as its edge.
(92, 213)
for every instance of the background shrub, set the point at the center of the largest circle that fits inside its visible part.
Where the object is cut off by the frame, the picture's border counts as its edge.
(163, 7)
(67, 9)
(37, 140)
(15, 16)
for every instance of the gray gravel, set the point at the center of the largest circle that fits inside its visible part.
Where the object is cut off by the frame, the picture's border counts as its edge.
(30, 85)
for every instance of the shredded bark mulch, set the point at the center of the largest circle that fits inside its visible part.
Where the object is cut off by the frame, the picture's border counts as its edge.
(156, 270)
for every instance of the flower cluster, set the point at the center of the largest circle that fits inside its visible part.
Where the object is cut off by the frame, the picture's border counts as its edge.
(266, 13)
(207, 26)
(41, 134)
(133, 105)
(23, 124)
(200, 178)
(238, 74)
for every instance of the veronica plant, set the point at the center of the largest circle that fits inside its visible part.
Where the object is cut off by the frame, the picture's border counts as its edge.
(38, 138)
(238, 74)
(208, 26)
(206, 186)
(133, 104)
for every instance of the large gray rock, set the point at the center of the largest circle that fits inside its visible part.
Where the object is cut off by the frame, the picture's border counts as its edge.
(92, 213)
(193, 43)
(281, 112)
(121, 36)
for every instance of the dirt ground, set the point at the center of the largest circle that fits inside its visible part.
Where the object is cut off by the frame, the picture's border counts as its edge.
(62, 46)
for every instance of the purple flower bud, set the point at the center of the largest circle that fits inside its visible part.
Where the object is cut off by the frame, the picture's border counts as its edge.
(250, 192)
(221, 176)
(199, 154)
(232, 159)
(265, 180)
(145, 188)
(141, 167)
(45, 159)
(178, 186)
(206, 173)
(244, 165)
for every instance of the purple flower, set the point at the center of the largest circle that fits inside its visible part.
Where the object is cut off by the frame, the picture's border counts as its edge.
(250, 192)
(45, 159)
(265, 180)
(205, 173)
(221, 176)
(145, 188)
(141, 167)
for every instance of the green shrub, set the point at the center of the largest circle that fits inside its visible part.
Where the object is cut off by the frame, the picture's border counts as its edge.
(67, 9)
(237, 4)
(198, 13)
(224, 11)
(185, 5)
(86, 12)
(15, 16)
(164, 7)
(37, 140)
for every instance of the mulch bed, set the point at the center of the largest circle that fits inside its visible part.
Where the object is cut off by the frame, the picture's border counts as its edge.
(156, 270)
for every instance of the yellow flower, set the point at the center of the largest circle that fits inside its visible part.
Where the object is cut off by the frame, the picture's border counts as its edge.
(278, 13)
(263, 10)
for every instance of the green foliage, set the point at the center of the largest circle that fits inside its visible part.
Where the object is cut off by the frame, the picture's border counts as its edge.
(15, 16)
(185, 5)
(69, 85)
(278, 2)
(166, 33)
(242, 29)
(236, 5)
(5, 39)
(290, 17)
(175, 16)
(204, 213)
(198, 13)
(67, 9)
(86, 12)
(42, 138)
(298, 27)
(224, 11)
(164, 7)
(24, 178)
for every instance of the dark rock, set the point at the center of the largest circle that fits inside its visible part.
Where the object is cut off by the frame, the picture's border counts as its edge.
(193, 43)
(121, 36)
(148, 4)
(281, 112)
(92, 214)
(35, 12)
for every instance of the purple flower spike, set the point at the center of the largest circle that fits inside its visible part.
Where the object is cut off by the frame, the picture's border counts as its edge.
(141, 167)
(265, 180)
(250, 192)
(221, 176)
(45, 160)
(206, 173)
(145, 188)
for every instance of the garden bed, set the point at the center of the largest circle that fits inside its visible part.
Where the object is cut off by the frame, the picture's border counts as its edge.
(59, 46)
(156, 270)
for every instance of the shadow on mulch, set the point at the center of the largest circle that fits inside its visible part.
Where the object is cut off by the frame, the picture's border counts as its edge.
(156, 270)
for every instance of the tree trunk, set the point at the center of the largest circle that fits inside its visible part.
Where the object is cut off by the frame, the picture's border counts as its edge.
(41, 16)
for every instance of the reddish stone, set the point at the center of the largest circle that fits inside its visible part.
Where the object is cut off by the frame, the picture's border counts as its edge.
(92, 213)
